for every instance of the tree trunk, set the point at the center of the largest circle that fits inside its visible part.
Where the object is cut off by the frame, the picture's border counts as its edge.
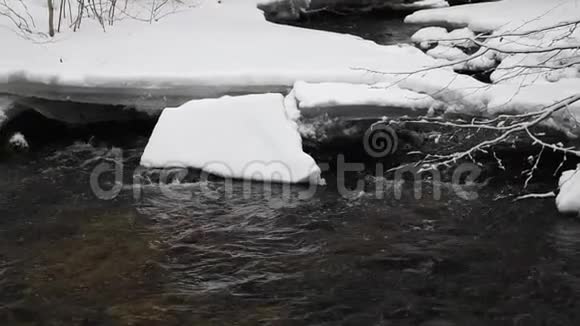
(50, 18)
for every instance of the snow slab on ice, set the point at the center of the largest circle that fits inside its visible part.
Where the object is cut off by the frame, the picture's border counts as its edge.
(320, 95)
(568, 200)
(247, 137)
(211, 50)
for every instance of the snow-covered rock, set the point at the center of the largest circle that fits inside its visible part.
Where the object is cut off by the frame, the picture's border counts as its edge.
(568, 200)
(248, 137)
(447, 53)
(430, 36)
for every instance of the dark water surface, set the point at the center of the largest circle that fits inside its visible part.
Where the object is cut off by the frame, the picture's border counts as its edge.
(174, 256)
(183, 254)
(382, 28)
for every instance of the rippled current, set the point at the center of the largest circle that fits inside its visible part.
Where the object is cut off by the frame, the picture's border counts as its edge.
(187, 254)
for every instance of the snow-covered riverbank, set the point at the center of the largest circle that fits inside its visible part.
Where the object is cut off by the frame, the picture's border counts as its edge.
(531, 49)
(227, 48)
(215, 48)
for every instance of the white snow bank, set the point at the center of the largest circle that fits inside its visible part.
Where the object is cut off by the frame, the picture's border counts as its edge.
(310, 95)
(200, 52)
(523, 80)
(516, 36)
(568, 200)
(248, 137)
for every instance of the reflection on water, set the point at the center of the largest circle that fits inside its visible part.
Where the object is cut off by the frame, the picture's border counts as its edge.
(68, 258)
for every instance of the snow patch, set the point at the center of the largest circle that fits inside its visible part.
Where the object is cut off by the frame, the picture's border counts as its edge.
(248, 137)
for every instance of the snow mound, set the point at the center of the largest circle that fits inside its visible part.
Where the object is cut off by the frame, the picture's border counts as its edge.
(247, 137)
(568, 200)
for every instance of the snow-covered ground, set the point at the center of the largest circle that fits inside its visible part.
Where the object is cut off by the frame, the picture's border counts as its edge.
(251, 137)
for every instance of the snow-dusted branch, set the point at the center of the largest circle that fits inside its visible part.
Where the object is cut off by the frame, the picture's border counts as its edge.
(507, 128)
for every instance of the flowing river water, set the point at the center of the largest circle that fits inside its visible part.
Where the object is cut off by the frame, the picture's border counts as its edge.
(190, 254)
